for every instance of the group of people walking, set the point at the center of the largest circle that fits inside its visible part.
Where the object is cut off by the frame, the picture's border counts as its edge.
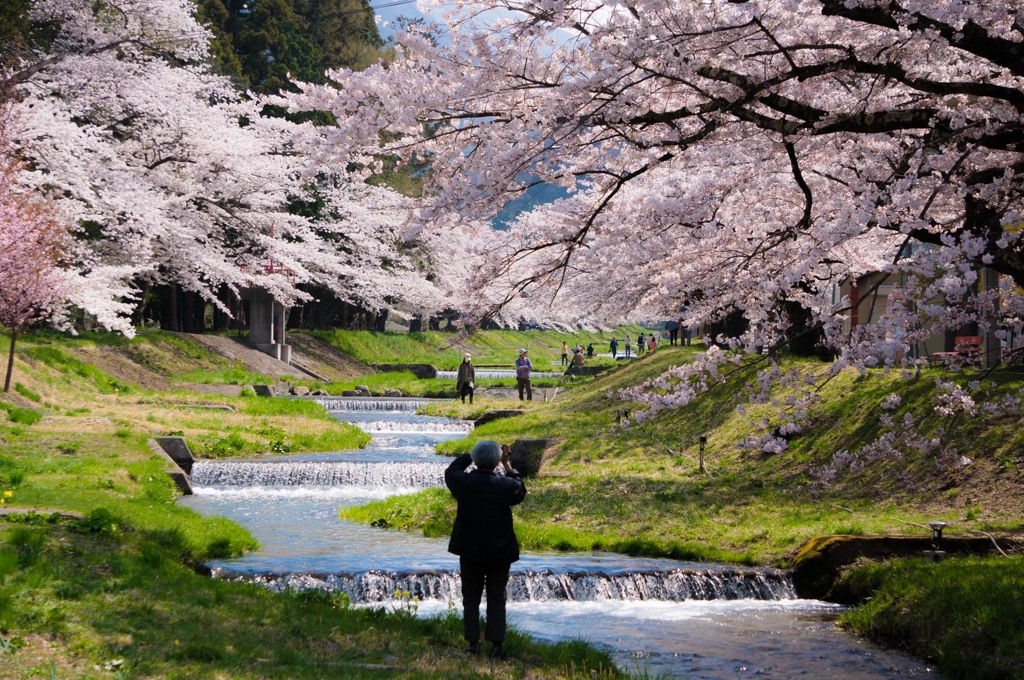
(577, 354)
(643, 343)
(466, 379)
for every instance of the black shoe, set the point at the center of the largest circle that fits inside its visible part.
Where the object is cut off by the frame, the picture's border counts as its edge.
(498, 652)
(473, 649)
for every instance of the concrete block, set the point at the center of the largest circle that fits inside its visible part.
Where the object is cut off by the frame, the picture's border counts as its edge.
(265, 390)
(177, 449)
(527, 455)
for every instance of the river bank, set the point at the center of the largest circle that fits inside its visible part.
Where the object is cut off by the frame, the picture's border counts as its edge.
(637, 491)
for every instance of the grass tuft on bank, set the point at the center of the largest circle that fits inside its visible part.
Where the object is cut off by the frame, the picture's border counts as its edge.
(963, 614)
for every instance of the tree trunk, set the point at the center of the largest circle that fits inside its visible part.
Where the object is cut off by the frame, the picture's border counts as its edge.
(169, 307)
(10, 362)
(187, 315)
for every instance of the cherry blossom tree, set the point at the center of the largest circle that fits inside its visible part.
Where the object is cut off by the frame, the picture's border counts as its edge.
(32, 286)
(718, 157)
(171, 176)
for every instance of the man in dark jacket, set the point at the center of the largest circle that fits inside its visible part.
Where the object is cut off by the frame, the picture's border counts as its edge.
(483, 537)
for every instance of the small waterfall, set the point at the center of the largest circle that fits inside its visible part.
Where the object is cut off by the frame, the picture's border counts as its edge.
(417, 427)
(393, 405)
(499, 373)
(545, 586)
(310, 473)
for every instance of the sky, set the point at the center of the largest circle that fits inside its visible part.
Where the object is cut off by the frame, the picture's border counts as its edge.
(389, 10)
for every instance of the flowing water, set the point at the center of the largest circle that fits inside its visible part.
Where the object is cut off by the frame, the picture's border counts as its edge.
(664, 617)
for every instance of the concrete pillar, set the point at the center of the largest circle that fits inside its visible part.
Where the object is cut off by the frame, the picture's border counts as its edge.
(268, 320)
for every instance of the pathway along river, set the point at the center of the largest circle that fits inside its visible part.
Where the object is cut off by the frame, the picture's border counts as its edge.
(670, 618)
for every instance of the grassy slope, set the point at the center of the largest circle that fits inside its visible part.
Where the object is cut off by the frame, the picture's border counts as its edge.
(117, 584)
(445, 350)
(640, 489)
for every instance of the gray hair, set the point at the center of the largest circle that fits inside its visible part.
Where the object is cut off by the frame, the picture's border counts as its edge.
(486, 454)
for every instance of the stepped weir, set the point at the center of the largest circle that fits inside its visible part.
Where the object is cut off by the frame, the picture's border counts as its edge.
(317, 473)
(545, 586)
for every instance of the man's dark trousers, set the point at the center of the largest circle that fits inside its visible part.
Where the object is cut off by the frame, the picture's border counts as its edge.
(474, 575)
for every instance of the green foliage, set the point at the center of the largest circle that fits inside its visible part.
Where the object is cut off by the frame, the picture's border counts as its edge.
(221, 447)
(964, 614)
(235, 375)
(261, 43)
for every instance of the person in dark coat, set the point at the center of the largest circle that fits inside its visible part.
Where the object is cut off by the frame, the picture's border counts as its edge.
(483, 537)
(465, 380)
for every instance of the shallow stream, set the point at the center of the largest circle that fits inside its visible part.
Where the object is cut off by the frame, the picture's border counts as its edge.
(678, 619)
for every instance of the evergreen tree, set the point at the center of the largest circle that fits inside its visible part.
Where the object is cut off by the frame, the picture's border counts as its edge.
(266, 43)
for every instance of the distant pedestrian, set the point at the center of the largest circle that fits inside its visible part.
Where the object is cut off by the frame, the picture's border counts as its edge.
(465, 382)
(613, 347)
(565, 352)
(673, 331)
(483, 537)
(652, 344)
(627, 343)
(640, 344)
(590, 351)
(523, 369)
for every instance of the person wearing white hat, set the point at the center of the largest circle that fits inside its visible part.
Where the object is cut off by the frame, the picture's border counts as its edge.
(523, 368)
(466, 379)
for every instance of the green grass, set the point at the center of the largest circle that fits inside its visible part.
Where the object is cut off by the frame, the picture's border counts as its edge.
(445, 350)
(233, 375)
(965, 615)
(255, 425)
(67, 364)
(23, 416)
